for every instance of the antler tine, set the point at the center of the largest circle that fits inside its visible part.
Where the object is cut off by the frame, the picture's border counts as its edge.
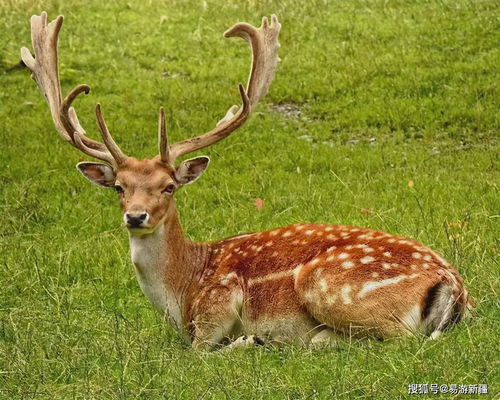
(100, 155)
(162, 137)
(113, 148)
(70, 121)
(264, 44)
(223, 129)
(45, 71)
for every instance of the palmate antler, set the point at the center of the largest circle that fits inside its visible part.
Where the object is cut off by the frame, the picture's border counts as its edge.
(264, 44)
(44, 66)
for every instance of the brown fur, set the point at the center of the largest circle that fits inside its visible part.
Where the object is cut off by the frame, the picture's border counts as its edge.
(263, 264)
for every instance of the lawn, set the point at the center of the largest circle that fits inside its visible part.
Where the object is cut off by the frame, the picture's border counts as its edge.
(383, 114)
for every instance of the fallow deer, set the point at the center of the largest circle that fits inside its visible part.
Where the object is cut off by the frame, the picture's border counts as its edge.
(303, 282)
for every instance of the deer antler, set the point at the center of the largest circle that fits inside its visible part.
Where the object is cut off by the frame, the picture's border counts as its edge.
(44, 68)
(264, 44)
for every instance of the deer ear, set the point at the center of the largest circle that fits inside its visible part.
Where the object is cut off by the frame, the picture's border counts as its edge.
(100, 174)
(191, 169)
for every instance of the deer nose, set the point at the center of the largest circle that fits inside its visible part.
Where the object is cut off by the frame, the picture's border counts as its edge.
(135, 219)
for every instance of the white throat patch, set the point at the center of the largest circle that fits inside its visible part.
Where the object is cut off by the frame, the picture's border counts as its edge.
(151, 263)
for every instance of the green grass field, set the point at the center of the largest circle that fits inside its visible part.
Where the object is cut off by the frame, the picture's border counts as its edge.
(383, 114)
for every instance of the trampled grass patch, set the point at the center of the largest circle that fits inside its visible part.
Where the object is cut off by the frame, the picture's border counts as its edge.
(369, 96)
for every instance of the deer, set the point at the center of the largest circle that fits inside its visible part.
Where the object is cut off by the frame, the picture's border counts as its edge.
(303, 283)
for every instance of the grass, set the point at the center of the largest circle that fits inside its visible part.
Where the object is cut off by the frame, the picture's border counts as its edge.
(381, 94)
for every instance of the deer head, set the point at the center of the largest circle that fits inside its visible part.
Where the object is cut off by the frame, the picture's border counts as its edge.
(145, 187)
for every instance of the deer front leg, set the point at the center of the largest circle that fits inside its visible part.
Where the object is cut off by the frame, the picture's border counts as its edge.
(216, 314)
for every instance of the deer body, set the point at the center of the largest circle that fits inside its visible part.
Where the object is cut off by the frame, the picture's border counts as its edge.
(300, 283)
(297, 283)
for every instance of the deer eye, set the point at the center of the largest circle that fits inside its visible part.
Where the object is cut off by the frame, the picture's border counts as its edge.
(118, 189)
(169, 189)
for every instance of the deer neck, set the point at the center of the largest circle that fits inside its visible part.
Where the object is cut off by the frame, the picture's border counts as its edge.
(168, 266)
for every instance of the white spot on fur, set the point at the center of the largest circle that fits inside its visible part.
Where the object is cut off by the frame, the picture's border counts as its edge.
(319, 233)
(427, 257)
(391, 240)
(347, 264)
(309, 296)
(331, 237)
(309, 232)
(297, 269)
(343, 256)
(287, 233)
(227, 278)
(375, 275)
(269, 244)
(368, 250)
(345, 293)
(386, 265)
(275, 232)
(373, 285)
(330, 258)
(425, 265)
(329, 229)
(295, 273)
(330, 249)
(360, 246)
(387, 254)
(275, 275)
(314, 261)
(367, 260)
(322, 285)
(416, 255)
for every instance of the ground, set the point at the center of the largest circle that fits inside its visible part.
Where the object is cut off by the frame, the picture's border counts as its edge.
(382, 114)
